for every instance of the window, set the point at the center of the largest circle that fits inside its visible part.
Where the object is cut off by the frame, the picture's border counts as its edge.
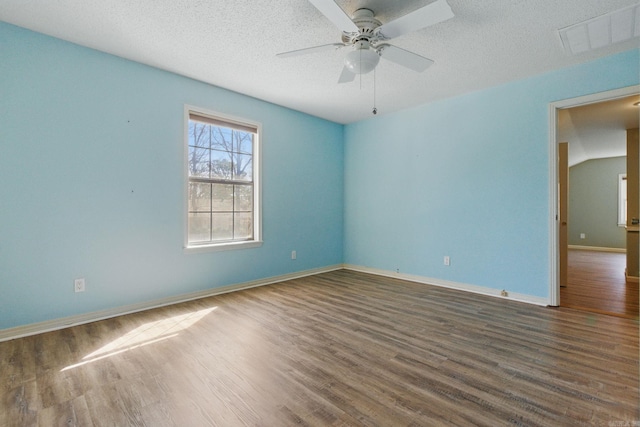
(223, 193)
(622, 199)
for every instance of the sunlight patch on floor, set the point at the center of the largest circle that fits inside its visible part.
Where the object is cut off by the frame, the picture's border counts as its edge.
(149, 333)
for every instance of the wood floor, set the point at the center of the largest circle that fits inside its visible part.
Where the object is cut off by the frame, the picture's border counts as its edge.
(336, 349)
(596, 283)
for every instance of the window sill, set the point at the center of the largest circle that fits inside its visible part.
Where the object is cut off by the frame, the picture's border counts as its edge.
(222, 247)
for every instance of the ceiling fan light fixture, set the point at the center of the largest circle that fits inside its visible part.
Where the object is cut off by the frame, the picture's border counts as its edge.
(361, 61)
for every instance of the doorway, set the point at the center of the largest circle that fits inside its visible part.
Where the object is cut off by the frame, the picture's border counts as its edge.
(596, 278)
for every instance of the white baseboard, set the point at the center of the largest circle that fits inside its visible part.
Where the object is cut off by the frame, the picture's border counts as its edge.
(514, 296)
(598, 249)
(65, 322)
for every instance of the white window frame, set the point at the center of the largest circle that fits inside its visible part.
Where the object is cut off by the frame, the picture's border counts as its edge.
(622, 200)
(257, 181)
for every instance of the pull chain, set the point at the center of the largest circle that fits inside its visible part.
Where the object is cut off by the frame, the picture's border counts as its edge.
(375, 110)
(360, 53)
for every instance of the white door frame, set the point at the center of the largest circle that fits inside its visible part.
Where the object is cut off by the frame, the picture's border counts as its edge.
(554, 270)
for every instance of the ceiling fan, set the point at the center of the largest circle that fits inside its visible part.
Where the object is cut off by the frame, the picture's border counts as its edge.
(367, 37)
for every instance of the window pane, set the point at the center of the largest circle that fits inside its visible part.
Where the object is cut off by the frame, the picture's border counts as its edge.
(222, 198)
(199, 134)
(222, 226)
(220, 164)
(221, 138)
(199, 197)
(243, 226)
(199, 227)
(219, 154)
(199, 162)
(242, 168)
(243, 142)
(622, 199)
(243, 198)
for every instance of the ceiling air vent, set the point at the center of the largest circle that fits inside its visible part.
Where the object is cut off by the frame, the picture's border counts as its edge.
(601, 31)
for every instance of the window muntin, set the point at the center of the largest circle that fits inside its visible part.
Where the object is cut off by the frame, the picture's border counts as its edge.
(222, 159)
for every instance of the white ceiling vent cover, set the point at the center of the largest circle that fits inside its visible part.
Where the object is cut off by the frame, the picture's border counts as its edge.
(604, 30)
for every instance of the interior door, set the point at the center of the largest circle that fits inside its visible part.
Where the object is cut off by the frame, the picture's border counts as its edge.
(563, 207)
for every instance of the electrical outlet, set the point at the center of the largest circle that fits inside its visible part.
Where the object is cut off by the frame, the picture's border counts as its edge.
(447, 261)
(583, 236)
(78, 285)
(294, 255)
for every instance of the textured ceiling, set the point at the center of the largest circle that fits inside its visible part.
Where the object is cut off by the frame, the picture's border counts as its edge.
(233, 44)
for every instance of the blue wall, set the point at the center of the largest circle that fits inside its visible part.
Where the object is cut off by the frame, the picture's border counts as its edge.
(91, 183)
(466, 177)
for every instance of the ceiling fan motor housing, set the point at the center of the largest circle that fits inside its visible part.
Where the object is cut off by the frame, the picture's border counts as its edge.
(366, 23)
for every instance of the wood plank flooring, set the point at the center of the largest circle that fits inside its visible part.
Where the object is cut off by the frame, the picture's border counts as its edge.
(596, 283)
(336, 349)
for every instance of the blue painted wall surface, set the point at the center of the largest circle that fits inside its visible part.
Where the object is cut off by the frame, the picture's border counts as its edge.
(466, 177)
(91, 183)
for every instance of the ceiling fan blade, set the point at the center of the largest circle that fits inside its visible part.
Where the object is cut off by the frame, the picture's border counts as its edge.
(310, 50)
(335, 14)
(432, 13)
(346, 76)
(405, 58)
